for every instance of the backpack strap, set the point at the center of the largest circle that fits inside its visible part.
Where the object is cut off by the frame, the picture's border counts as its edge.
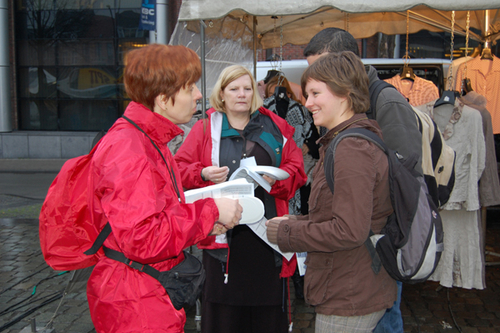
(99, 240)
(107, 228)
(332, 147)
(329, 168)
(171, 173)
(375, 88)
(376, 262)
(118, 256)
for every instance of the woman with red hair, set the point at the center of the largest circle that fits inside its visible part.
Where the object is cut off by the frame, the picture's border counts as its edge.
(136, 187)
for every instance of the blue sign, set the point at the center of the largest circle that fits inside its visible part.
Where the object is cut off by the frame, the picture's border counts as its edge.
(148, 15)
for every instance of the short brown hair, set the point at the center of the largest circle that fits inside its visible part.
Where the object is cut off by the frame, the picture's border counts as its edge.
(228, 75)
(159, 69)
(345, 76)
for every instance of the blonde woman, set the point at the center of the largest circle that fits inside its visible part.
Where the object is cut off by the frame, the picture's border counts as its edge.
(244, 290)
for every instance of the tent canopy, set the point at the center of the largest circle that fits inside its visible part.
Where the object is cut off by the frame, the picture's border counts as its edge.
(296, 21)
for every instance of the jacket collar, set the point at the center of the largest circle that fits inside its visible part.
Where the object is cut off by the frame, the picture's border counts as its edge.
(159, 128)
(372, 73)
(286, 130)
(355, 121)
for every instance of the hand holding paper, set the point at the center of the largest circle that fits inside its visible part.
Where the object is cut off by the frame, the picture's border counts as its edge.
(229, 212)
(215, 174)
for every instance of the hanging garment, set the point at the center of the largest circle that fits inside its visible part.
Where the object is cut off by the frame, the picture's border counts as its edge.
(462, 263)
(417, 92)
(452, 71)
(489, 184)
(485, 80)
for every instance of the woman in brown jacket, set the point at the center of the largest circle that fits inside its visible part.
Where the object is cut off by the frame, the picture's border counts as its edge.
(348, 296)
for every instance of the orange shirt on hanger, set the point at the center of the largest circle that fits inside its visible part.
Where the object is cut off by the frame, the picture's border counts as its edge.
(417, 92)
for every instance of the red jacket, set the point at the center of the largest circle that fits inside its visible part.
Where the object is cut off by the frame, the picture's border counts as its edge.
(197, 152)
(135, 191)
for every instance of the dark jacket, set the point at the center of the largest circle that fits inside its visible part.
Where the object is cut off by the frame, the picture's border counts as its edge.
(202, 148)
(397, 120)
(339, 279)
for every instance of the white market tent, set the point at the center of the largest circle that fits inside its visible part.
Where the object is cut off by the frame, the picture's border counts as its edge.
(234, 29)
(303, 19)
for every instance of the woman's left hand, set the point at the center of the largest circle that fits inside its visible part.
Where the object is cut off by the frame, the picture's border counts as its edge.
(270, 180)
(215, 174)
(272, 228)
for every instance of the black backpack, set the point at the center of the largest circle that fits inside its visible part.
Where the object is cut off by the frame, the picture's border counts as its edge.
(438, 161)
(411, 243)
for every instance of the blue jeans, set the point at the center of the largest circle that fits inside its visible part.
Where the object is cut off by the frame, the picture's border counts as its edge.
(392, 321)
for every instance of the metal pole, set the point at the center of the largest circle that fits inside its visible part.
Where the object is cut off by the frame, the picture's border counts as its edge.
(161, 22)
(397, 45)
(487, 40)
(255, 47)
(5, 106)
(203, 83)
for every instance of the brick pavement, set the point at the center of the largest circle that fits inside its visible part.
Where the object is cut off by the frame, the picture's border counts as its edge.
(426, 306)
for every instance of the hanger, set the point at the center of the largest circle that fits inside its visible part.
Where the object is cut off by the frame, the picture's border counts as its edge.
(486, 54)
(448, 97)
(407, 73)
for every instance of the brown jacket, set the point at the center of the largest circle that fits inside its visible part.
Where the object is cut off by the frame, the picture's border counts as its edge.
(339, 279)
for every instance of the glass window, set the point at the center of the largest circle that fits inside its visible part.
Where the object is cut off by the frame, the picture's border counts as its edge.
(70, 61)
(85, 52)
(38, 114)
(89, 115)
(37, 82)
(32, 5)
(89, 83)
(36, 52)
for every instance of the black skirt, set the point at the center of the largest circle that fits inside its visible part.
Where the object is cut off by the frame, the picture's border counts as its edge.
(255, 298)
(253, 278)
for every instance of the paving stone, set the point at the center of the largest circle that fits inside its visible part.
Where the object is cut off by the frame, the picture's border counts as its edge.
(476, 322)
(470, 330)
(488, 330)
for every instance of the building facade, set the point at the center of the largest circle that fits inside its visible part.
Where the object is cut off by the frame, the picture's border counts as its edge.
(66, 66)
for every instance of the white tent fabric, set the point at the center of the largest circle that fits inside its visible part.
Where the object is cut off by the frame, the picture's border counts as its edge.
(230, 24)
(301, 20)
(209, 9)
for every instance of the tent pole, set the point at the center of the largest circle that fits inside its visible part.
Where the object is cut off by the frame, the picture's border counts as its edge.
(487, 29)
(203, 83)
(397, 43)
(255, 47)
